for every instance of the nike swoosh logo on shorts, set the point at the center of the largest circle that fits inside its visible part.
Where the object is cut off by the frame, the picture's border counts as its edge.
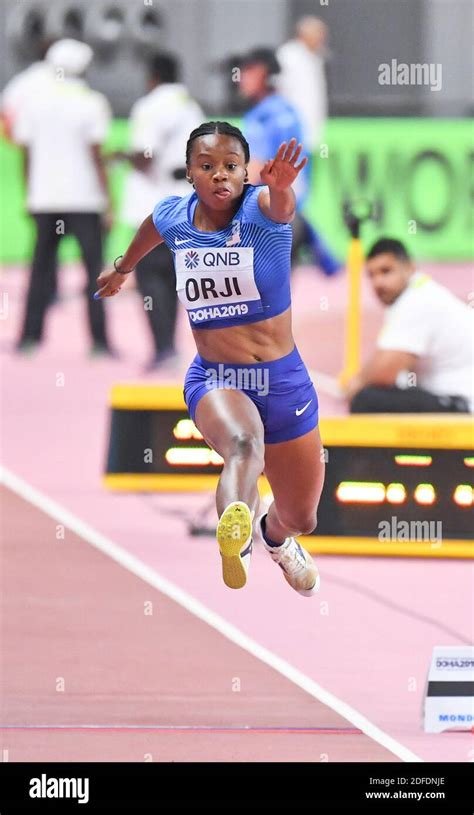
(299, 411)
(177, 242)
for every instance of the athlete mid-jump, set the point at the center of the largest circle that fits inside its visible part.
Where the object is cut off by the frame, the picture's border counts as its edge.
(247, 390)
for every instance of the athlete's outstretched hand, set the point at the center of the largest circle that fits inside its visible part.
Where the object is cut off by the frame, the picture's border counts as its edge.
(280, 172)
(109, 283)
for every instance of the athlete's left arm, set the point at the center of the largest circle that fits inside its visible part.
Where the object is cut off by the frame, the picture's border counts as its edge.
(382, 369)
(279, 203)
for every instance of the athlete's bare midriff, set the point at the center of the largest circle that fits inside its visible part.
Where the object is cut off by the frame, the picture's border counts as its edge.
(249, 343)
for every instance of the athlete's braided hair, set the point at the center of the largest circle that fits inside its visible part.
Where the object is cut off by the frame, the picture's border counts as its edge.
(222, 128)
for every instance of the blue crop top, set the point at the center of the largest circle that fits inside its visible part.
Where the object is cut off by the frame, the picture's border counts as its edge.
(240, 274)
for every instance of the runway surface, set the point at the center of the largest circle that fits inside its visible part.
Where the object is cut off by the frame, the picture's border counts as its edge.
(123, 644)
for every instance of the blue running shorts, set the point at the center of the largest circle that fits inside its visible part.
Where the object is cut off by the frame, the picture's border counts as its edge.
(281, 390)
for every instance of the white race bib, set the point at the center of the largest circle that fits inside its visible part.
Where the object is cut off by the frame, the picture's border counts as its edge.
(217, 283)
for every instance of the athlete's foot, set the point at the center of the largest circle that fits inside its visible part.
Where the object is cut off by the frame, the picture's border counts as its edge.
(27, 346)
(298, 566)
(101, 350)
(234, 536)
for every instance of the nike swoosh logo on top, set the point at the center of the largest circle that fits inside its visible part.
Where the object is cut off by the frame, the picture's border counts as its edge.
(177, 242)
(299, 411)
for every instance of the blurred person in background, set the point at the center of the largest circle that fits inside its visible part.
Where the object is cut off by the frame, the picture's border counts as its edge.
(271, 120)
(302, 78)
(160, 124)
(427, 332)
(23, 88)
(61, 131)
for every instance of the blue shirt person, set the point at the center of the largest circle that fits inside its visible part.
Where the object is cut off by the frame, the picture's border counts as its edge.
(270, 121)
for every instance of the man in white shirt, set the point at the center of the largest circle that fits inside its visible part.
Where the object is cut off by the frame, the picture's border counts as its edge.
(424, 356)
(160, 125)
(23, 87)
(302, 79)
(61, 132)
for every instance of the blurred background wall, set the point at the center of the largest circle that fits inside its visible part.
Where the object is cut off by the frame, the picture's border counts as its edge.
(406, 147)
(363, 35)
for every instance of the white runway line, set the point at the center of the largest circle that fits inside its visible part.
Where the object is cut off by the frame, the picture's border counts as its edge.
(194, 606)
(188, 728)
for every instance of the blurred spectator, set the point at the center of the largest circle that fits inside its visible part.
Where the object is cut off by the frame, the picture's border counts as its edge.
(61, 132)
(271, 121)
(24, 86)
(424, 356)
(160, 123)
(302, 80)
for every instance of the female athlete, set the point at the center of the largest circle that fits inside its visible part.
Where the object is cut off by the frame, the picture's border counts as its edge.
(247, 389)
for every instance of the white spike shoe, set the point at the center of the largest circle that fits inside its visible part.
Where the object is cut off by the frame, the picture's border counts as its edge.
(298, 566)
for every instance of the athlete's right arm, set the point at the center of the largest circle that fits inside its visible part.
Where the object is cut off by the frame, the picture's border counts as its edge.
(145, 240)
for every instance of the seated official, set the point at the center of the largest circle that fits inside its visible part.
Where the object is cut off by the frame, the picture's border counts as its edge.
(423, 362)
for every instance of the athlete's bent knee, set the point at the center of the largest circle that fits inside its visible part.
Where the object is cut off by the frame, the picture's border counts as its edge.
(247, 445)
(303, 521)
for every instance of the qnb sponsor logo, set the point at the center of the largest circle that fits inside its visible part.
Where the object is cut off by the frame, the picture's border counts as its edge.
(191, 259)
(401, 73)
(213, 259)
(207, 288)
(450, 664)
(256, 379)
(456, 717)
(44, 787)
(396, 530)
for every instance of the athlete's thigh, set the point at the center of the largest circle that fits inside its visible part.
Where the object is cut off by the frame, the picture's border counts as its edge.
(223, 414)
(295, 471)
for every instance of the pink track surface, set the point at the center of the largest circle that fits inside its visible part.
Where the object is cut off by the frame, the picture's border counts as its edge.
(151, 677)
(367, 638)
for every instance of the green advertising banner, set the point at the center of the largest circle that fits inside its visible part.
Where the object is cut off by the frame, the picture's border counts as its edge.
(418, 173)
